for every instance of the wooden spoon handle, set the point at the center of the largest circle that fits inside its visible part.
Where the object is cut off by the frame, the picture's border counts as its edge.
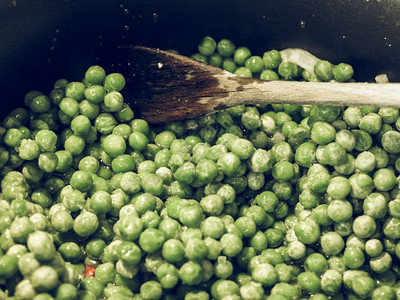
(319, 93)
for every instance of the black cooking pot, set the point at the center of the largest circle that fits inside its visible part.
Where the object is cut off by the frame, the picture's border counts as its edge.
(44, 40)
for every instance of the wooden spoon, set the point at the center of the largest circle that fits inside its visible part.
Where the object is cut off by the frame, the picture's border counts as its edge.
(168, 87)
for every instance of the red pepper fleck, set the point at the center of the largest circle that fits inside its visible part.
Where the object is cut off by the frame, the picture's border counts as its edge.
(89, 271)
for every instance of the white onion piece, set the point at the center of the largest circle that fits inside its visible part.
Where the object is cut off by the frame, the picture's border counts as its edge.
(382, 78)
(300, 57)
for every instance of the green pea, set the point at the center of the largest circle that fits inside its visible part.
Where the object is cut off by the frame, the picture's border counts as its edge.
(353, 257)
(269, 75)
(70, 251)
(41, 244)
(322, 133)
(265, 274)
(383, 292)
(190, 273)
(9, 266)
(173, 251)
(229, 65)
(316, 263)
(114, 82)
(62, 221)
(309, 282)
(272, 59)
(339, 187)
(285, 290)
(363, 285)
(151, 240)
(85, 224)
(240, 55)
(283, 171)
(212, 204)
(129, 253)
(74, 144)
(288, 70)
(44, 278)
(335, 154)
(331, 282)
(274, 237)
(361, 185)
(105, 123)
(343, 72)
(195, 249)
(255, 64)
(384, 179)
(340, 210)
(243, 72)
(307, 231)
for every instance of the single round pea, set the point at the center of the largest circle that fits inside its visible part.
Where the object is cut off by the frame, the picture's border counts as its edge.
(81, 180)
(335, 154)
(383, 292)
(114, 82)
(316, 263)
(381, 263)
(373, 247)
(364, 226)
(265, 274)
(95, 95)
(243, 72)
(173, 251)
(114, 145)
(254, 64)
(305, 154)
(272, 59)
(225, 47)
(95, 74)
(363, 285)
(228, 64)
(62, 221)
(207, 46)
(353, 257)
(190, 273)
(346, 139)
(324, 70)
(212, 227)
(240, 55)
(384, 179)
(339, 187)
(331, 282)
(151, 240)
(361, 185)
(130, 227)
(195, 249)
(105, 123)
(343, 72)
(283, 171)
(269, 75)
(70, 251)
(85, 224)
(288, 70)
(44, 278)
(41, 244)
(322, 133)
(340, 210)
(307, 231)
(74, 144)
(309, 282)
(332, 243)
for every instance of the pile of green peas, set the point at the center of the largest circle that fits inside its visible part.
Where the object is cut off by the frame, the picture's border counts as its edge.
(253, 202)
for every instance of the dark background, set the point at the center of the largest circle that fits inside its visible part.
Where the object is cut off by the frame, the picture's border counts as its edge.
(41, 41)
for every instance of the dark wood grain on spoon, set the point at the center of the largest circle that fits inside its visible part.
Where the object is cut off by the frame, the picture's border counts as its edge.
(167, 87)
